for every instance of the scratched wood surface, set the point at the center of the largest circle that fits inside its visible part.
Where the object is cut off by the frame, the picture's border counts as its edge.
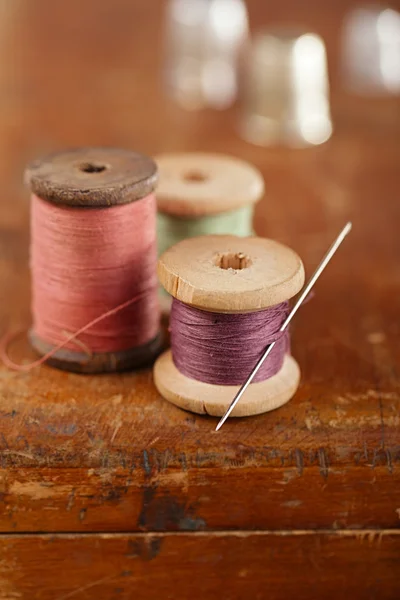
(304, 498)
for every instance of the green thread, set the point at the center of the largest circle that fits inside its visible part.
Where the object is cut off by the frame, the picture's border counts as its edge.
(172, 229)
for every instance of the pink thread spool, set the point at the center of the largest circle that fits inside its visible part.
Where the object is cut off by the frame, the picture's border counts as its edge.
(93, 260)
(223, 280)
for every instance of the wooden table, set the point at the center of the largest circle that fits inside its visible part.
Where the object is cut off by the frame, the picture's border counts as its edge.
(108, 491)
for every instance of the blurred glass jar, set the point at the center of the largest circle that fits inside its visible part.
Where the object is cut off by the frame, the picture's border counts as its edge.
(204, 41)
(371, 51)
(286, 90)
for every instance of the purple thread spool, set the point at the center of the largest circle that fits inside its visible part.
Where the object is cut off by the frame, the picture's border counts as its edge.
(230, 298)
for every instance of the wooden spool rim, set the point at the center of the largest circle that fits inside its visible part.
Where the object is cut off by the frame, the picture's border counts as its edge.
(106, 362)
(205, 398)
(271, 273)
(92, 177)
(199, 184)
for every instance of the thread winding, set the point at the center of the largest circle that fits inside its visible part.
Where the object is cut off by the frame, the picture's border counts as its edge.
(171, 229)
(87, 262)
(94, 283)
(222, 349)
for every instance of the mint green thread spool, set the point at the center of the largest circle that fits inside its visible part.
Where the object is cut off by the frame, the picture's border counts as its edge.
(202, 194)
(171, 229)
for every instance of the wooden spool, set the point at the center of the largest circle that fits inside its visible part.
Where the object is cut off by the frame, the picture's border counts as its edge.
(231, 275)
(94, 178)
(195, 184)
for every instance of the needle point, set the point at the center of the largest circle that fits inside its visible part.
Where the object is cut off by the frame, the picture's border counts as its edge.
(220, 423)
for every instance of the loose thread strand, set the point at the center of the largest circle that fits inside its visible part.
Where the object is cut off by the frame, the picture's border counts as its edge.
(10, 337)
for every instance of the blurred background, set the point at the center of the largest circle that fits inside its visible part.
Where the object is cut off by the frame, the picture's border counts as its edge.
(214, 75)
(121, 72)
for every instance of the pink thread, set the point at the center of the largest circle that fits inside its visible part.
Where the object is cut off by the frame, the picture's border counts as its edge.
(93, 277)
(222, 349)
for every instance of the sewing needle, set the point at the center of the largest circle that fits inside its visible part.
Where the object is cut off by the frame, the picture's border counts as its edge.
(295, 308)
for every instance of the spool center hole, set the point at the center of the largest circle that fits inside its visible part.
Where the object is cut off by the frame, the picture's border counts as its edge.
(90, 167)
(195, 177)
(232, 260)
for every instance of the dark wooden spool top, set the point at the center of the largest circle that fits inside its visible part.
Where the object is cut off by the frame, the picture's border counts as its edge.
(92, 177)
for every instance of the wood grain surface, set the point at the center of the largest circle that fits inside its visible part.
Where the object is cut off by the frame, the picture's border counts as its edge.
(229, 565)
(100, 473)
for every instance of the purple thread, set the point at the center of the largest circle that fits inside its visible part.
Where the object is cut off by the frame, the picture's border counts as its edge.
(223, 348)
